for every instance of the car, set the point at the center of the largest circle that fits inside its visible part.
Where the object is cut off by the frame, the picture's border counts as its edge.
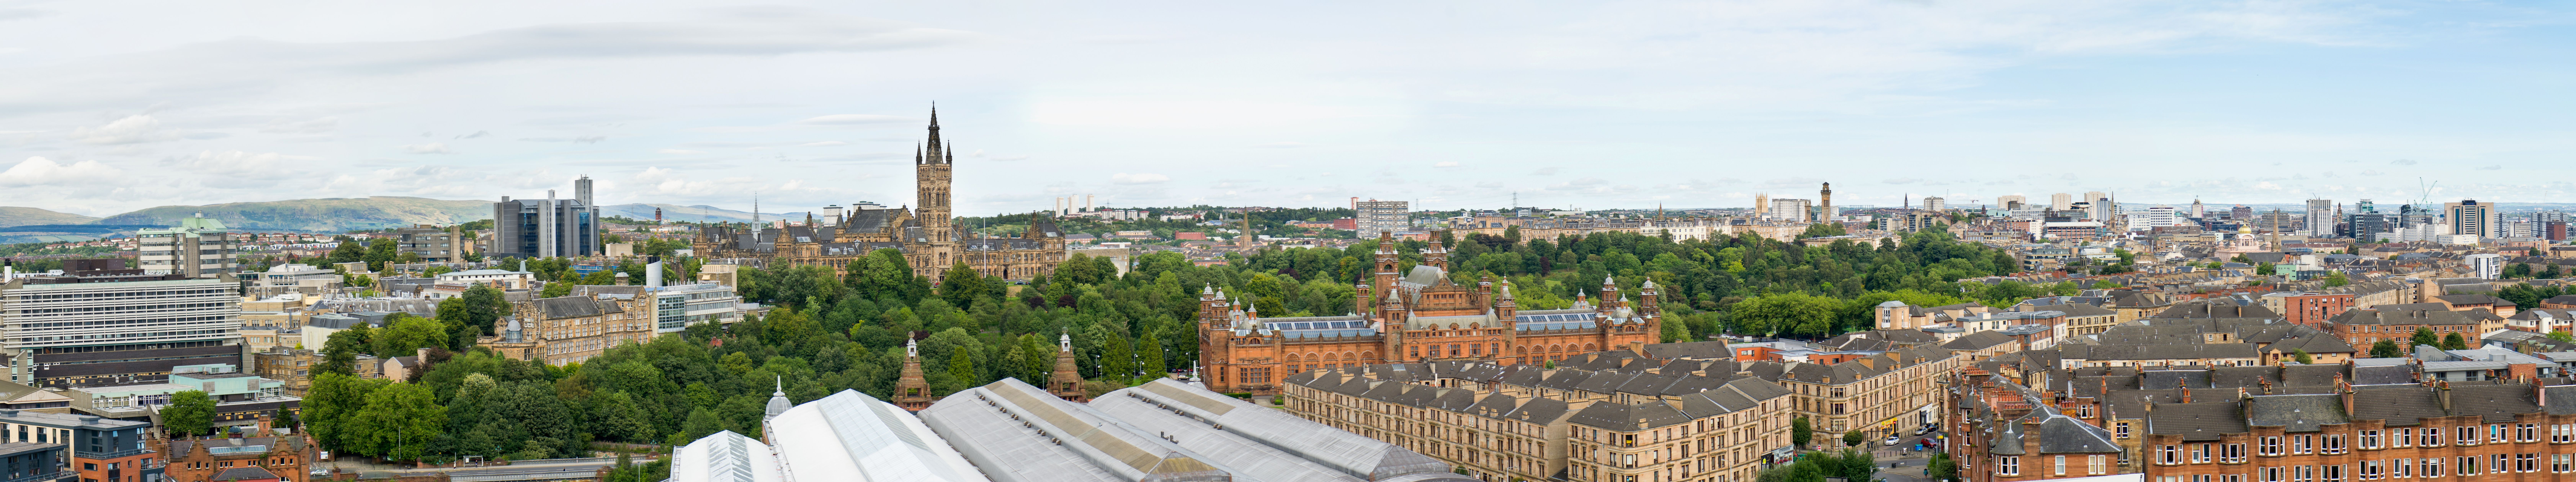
(1919, 431)
(1891, 441)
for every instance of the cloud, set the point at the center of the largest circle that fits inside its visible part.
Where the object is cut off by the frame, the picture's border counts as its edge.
(476, 134)
(679, 151)
(132, 129)
(2370, 172)
(854, 119)
(7, 14)
(430, 148)
(1544, 171)
(575, 140)
(240, 164)
(1281, 145)
(1138, 178)
(41, 172)
(2403, 162)
(1445, 164)
(309, 126)
(839, 143)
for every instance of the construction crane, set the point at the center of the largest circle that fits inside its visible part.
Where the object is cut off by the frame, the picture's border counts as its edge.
(2427, 198)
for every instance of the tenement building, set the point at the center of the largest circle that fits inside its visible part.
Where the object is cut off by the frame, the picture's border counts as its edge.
(1420, 316)
(1881, 395)
(1625, 418)
(927, 236)
(570, 329)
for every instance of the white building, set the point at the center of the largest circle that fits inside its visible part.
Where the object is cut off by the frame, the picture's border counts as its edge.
(84, 329)
(1790, 209)
(1935, 203)
(497, 278)
(2061, 201)
(2157, 217)
(848, 436)
(2321, 222)
(1374, 216)
(198, 247)
(2487, 266)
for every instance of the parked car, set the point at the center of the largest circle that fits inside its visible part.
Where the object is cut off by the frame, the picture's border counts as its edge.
(1921, 430)
(1891, 441)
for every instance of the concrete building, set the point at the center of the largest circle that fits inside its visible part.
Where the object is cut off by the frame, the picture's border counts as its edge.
(2486, 265)
(240, 398)
(2320, 218)
(2160, 217)
(1935, 203)
(2470, 217)
(1381, 216)
(675, 308)
(2061, 201)
(104, 323)
(198, 247)
(1795, 210)
(92, 448)
(2011, 202)
(544, 228)
(440, 245)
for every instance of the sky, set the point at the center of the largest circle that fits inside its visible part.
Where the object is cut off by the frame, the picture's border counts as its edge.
(111, 106)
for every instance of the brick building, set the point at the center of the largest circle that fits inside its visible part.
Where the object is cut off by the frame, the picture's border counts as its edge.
(285, 457)
(2501, 431)
(101, 449)
(2311, 309)
(1418, 316)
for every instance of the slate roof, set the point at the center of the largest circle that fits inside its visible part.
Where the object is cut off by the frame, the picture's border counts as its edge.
(2382, 316)
(244, 473)
(2296, 413)
(574, 307)
(1694, 350)
(2197, 421)
(2400, 405)
(1977, 341)
(2217, 309)
(2159, 352)
(1629, 418)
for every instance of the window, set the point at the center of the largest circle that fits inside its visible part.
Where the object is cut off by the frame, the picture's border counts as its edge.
(2432, 467)
(2303, 444)
(2303, 473)
(2271, 445)
(2526, 432)
(2466, 436)
(2495, 433)
(2200, 454)
(2526, 462)
(2370, 470)
(2095, 465)
(2061, 465)
(2011, 465)
(2369, 441)
(2468, 465)
(2562, 433)
(2334, 473)
(2231, 453)
(2562, 463)
(2432, 436)
(2401, 468)
(2122, 429)
(2169, 454)
(2334, 444)
(2401, 437)
(2271, 474)
(2496, 463)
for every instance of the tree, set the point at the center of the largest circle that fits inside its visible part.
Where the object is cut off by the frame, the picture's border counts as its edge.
(2386, 349)
(1798, 313)
(961, 285)
(2424, 337)
(2301, 355)
(189, 413)
(1800, 433)
(398, 422)
(2337, 278)
(2562, 336)
(406, 334)
(340, 351)
(331, 402)
(556, 289)
(2455, 342)
(1853, 439)
(1941, 467)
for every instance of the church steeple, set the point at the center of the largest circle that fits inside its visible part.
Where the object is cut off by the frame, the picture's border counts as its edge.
(937, 152)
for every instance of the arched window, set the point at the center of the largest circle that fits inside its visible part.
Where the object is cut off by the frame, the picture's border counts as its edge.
(1292, 358)
(1350, 356)
(1368, 355)
(1590, 347)
(1521, 350)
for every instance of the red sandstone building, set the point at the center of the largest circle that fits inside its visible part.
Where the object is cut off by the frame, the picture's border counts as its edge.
(1413, 316)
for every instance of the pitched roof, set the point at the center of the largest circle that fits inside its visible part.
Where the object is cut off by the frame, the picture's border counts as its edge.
(2199, 420)
(1978, 341)
(2296, 413)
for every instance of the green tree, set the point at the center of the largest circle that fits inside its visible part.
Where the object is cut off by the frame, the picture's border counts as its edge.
(2455, 342)
(189, 413)
(2301, 355)
(2562, 336)
(1800, 433)
(2386, 349)
(1853, 439)
(1798, 313)
(398, 422)
(556, 289)
(406, 334)
(961, 285)
(2425, 337)
(1941, 467)
(340, 351)
(331, 402)
(962, 367)
(2337, 278)
(348, 251)
(379, 252)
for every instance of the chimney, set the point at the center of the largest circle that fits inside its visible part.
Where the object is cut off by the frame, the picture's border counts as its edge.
(2443, 388)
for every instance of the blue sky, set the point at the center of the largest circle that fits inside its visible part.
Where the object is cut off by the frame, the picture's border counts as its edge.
(111, 106)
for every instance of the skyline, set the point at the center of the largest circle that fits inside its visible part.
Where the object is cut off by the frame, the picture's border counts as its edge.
(1607, 106)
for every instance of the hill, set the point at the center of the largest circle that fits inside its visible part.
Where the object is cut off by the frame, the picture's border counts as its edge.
(318, 215)
(19, 216)
(673, 212)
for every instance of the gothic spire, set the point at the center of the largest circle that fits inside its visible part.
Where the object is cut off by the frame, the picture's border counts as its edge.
(935, 144)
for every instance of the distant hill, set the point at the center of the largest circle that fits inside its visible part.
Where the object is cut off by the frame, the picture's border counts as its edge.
(674, 212)
(18, 216)
(318, 215)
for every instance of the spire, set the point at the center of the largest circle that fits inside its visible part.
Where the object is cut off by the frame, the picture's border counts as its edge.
(778, 403)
